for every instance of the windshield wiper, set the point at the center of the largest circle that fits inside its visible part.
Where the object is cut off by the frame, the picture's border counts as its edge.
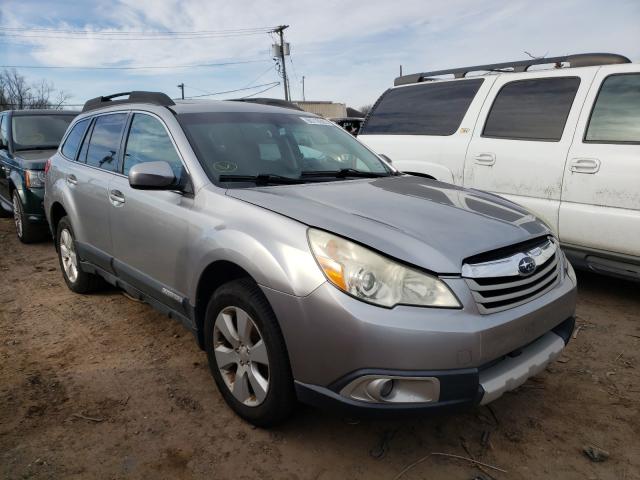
(36, 147)
(261, 179)
(343, 173)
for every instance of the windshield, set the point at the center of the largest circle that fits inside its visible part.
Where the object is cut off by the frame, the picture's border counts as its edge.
(37, 132)
(276, 144)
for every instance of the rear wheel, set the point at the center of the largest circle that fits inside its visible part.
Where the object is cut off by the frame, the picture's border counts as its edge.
(247, 355)
(77, 280)
(26, 231)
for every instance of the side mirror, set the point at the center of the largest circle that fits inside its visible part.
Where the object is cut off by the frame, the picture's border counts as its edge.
(387, 159)
(152, 176)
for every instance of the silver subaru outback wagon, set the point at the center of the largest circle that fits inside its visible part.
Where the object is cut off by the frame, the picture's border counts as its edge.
(306, 266)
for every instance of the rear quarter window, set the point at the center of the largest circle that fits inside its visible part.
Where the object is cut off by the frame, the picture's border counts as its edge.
(72, 143)
(435, 108)
(535, 109)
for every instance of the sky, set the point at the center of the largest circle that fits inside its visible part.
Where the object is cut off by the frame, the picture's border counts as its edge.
(348, 52)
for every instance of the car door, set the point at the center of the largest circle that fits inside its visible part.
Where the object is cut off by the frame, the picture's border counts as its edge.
(4, 157)
(150, 227)
(88, 179)
(522, 137)
(600, 206)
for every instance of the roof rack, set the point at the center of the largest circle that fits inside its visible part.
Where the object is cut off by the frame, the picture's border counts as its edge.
(274, 102)
(578, 60)
(154, 98)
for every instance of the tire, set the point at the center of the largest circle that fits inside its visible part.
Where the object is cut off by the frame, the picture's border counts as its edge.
(263, 407)
(81, 282)
(26, 231)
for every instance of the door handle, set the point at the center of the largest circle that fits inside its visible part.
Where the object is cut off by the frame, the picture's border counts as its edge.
(116, 197)
(487, 159)
(585, 165)
(72, 180)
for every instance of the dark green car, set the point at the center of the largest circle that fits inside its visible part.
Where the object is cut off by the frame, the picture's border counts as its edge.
(27, 139)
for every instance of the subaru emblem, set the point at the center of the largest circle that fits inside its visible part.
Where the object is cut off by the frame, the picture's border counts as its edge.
(526, 266)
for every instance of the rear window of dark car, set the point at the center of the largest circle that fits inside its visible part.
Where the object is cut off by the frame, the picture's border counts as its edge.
(534, 109)
(33, 132)
(425, 109)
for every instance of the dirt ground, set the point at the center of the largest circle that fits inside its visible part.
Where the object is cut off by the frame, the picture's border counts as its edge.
(100, 386)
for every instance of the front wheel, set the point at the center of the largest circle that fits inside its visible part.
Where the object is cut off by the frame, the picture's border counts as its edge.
(25, 230)
(247, 354)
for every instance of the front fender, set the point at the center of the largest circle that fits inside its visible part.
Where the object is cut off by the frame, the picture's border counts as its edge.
(272, 248)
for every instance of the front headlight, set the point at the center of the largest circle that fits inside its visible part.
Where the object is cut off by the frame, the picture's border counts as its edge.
(34, 178)
(374, 278)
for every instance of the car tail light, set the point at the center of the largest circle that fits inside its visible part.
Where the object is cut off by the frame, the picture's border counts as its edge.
(47, 166)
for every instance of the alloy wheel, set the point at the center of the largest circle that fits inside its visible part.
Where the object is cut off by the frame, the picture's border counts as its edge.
(17, 215)
(241, 356)
(68, 255)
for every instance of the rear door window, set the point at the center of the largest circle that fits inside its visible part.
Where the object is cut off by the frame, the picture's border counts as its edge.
(616, 114)
(149, 142)
(435, 108)
(104, 145)
(72, 143)
(534, 109)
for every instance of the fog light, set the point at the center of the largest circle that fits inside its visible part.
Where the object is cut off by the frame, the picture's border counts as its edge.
(393, 389)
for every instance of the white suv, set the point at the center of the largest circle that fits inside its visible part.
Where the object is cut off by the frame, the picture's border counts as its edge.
(564, 142)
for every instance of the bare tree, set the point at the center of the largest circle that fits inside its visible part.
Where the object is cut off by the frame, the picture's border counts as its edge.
(16, 90)
(365, 109)
(17, 93)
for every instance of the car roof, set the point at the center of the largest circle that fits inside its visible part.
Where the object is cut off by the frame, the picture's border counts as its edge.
(231, 106)
(43, 111)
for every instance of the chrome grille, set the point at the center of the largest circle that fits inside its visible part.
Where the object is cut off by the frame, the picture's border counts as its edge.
(499, 284)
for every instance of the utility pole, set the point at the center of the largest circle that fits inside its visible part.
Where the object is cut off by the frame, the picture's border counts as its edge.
(400, 70)
(303, 99)
(181, 87)
(280, 31)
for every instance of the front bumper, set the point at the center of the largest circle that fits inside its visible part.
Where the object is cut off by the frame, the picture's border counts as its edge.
(459, 389)
(331, 337)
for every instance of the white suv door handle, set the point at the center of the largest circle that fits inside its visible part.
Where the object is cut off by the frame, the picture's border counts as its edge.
(72, 180)
(487, 159)
(585, 165)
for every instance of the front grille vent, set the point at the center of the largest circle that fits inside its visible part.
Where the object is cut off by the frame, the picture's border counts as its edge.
(500, 284)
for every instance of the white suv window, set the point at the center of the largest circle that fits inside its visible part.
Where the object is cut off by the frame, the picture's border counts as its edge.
(534, 109)
(616, 113)
(424, 109)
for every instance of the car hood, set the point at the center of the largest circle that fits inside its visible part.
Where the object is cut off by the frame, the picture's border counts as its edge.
(421, 221)
(34, 159)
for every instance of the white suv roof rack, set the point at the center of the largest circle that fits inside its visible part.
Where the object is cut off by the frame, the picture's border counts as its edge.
(577, 60)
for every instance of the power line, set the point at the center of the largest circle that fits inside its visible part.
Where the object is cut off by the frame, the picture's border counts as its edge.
(272, 84)
(125, 38)
(137, 32)
(140, 67)
(269, 68)
(262, 91)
